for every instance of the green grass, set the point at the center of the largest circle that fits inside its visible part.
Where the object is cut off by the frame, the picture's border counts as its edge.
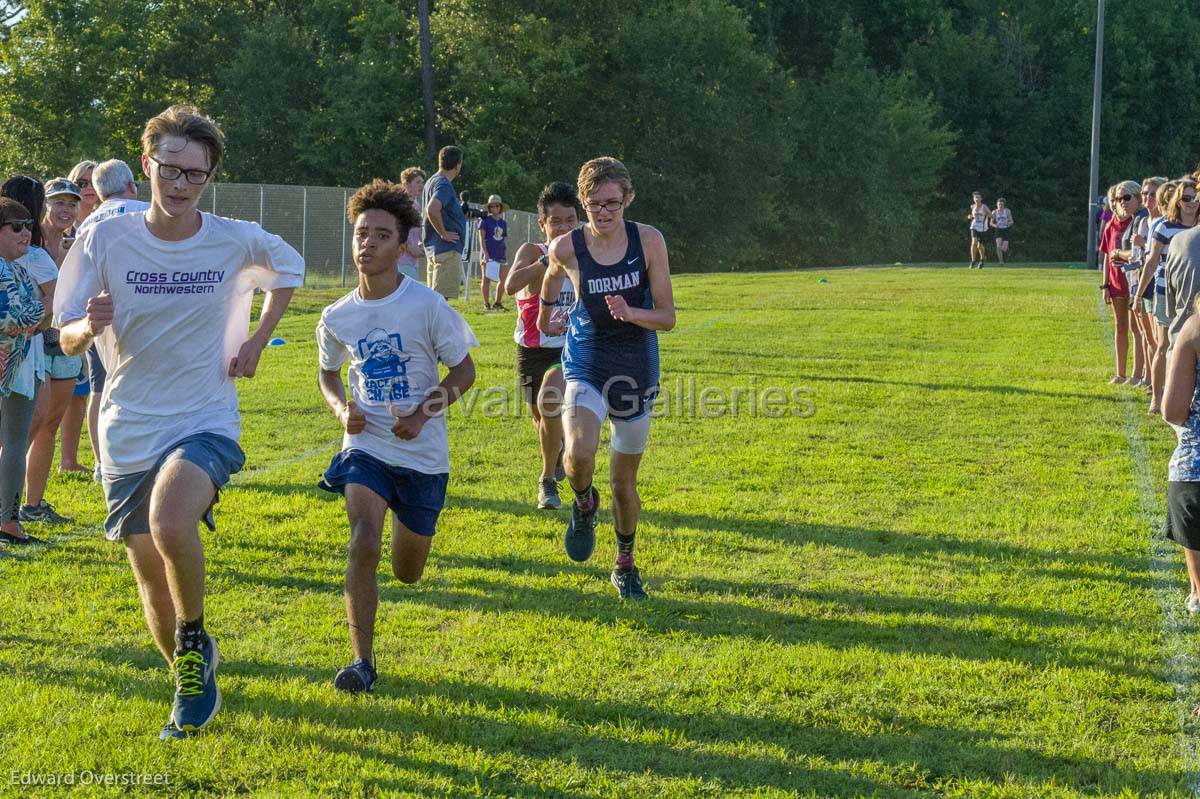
(946, 581)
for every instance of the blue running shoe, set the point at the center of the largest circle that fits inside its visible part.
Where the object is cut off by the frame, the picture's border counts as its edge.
(580, 538)
(197, 698)
(172, 733)
(628, 583)
(357, 678)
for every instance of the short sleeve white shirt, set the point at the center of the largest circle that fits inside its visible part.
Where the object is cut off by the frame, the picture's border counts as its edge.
(181, 311)
(394, 346)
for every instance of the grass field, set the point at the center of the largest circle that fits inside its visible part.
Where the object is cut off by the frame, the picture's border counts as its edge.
(945, 581)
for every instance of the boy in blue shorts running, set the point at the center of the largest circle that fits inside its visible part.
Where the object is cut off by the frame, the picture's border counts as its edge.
(395, 452)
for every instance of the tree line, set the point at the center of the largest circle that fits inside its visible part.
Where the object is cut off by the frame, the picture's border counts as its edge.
(760, 133)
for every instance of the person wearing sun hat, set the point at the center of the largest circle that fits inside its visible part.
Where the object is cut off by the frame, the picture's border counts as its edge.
(493, 233)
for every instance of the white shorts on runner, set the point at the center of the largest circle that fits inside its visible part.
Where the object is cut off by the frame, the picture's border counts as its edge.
(629, 436)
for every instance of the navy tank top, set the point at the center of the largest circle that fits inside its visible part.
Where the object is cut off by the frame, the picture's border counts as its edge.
(618, 359)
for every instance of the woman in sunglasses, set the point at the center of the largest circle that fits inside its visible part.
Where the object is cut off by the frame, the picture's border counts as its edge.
(1116, 286)
(1130, 255)
(81, 176)
(34, 372)
(21, 313)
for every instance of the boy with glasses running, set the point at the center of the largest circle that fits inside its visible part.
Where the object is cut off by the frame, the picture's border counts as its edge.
(623, 286)
(166, 295)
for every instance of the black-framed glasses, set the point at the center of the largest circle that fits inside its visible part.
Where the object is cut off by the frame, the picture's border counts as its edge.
(1188, 198)
(612, 206)
(17, 225)
(84, 183)
(197, 177)
(1125, 198)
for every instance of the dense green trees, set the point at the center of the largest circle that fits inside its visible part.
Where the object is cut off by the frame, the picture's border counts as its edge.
(772, 132)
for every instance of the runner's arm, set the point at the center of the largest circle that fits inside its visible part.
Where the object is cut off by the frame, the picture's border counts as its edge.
(1151, 263)
(527, 271)
(246, 362)
(561, 253)
(1181, 374)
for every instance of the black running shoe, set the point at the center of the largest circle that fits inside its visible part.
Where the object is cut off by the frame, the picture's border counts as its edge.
(197, 698)
(628, 583)
(357, 678)
(42, 512)
(19, 540)
(172, 733)
(548, 494)
(580, 538)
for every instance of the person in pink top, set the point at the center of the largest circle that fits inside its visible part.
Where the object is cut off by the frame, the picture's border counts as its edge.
(539, 355)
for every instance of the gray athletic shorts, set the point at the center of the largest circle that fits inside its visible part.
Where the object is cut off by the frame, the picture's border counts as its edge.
(128, 495)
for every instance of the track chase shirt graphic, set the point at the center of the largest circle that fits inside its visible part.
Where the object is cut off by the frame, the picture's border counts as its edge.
(384, 367)
(394, 346)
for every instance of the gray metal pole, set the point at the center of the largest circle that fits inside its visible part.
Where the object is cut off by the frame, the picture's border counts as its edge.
(345, 202)
(214, 199)
(262, 204)
(1094, 177)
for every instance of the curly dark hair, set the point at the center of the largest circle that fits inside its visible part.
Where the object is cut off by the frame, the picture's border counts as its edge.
(386, 196)
(559, 193)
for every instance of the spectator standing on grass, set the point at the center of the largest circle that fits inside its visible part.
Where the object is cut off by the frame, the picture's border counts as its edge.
(395, 453)
(82, 175)
(117, 190)
(1130, 256)
(1155, 286)
(166, 295)
(493, 252)
(539, 354)
(445, 226)
(1115, 287)
(412, 254)
(23, 312)
(623, 286)
(62, 370)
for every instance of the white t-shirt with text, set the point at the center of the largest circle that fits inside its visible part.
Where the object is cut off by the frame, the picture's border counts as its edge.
(394, 346)
(114, 206)
(181, 311)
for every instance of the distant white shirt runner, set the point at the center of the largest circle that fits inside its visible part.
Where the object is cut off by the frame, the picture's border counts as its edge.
(181, 312)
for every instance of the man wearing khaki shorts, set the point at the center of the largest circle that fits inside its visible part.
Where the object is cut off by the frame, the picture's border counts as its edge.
(445, 225)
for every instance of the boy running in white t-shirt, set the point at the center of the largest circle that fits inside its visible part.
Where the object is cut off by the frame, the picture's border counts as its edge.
(166, 296)
(396, 453)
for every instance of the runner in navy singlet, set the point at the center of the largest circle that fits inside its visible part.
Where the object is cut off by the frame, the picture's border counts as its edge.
(610, 361)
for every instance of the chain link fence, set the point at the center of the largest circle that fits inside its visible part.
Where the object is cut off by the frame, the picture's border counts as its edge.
(313, 220)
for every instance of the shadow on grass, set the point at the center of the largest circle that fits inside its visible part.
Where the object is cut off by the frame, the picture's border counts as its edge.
(610, 735)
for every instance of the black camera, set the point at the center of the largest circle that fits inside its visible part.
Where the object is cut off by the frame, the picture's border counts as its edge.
(471, 210)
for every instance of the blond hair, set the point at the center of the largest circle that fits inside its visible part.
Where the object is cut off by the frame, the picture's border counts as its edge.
(187, 122)
(603, 170)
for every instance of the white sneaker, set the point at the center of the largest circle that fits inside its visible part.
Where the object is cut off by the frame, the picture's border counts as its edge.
(1193, 603)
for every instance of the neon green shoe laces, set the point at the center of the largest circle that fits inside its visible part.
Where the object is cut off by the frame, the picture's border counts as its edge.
(188, 670)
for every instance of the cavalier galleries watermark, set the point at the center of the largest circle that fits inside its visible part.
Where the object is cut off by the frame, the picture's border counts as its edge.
(34, 779)
(684, 397)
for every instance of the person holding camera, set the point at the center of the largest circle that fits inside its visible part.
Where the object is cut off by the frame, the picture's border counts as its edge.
(493, 233)
(444, 224)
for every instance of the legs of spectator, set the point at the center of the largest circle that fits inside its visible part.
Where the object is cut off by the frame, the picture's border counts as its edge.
(16, 418)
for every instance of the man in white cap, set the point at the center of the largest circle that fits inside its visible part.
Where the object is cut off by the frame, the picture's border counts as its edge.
(493, 233)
